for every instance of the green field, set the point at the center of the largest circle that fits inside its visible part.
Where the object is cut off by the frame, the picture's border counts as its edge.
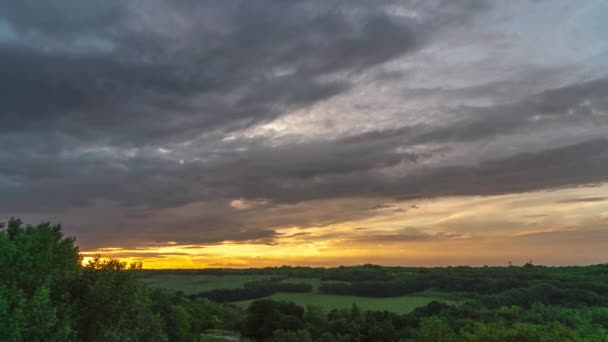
(403, 304)
(315, 282)
(190, 284)
(215, 335)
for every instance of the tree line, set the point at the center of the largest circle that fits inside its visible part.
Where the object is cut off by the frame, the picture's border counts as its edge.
(253, 290)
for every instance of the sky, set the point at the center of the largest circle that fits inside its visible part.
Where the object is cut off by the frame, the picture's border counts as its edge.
(191, 134)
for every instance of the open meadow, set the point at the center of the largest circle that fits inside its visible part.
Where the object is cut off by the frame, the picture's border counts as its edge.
(195, 283)
(399, 305)
(190, 284)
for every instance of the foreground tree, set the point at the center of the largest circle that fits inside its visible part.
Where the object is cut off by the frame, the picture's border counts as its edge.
(38, 267)
(46, 295)
(265, 316)
(114, 306)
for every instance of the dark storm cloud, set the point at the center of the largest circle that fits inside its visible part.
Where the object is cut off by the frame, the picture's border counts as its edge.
(572, 104)
(146, 72)
(62, 17)
(132, 74)
(574, 165)
(141, 104)
(283, 176)
(579, 164)
(260, 171)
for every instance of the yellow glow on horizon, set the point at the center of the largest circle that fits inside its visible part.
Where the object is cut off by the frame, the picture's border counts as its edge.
(85, 260)
(446, 231)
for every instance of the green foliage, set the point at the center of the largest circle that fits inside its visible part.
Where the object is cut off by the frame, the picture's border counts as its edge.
(315, 318)
(265, 316)
(290, 336)
(37, 265)
(182, 323)
(46, 295)
(433, 329)
(519, 332)
(114, 305)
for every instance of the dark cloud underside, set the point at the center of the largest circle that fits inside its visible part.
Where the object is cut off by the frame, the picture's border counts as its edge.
(141, 107)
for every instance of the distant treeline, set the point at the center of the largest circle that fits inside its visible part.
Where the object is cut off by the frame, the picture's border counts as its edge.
(578, 284)
(253, 290)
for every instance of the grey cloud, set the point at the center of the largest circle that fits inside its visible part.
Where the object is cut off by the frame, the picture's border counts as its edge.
(160, 81)
(62, 17)
(570, 104)
(91, 90)
(595, 234)
(574, 165)
(410, 235)
(134, 96)
(130, 254)
(536, 216)
(382, 206)
(566, 107)
(204, 223)
(157, 183)
(583, 200)
(296, 234)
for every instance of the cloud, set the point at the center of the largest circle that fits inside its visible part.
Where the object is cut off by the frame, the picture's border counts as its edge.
(566, 105)
(174, 71)
(583, 200)
(175, 121)
(382, 206)
(565, 236)
(568, 166)
(410, 235)
(61, 17)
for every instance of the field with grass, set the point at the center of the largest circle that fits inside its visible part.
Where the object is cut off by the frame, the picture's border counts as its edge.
(315, 282)
(399, 305)
(215, 335)
(190, 284)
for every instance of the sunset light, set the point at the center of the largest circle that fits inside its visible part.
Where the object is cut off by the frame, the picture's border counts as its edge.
(303, 170)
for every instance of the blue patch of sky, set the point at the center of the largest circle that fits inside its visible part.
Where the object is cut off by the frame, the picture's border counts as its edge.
(557, 33)
(7, 34)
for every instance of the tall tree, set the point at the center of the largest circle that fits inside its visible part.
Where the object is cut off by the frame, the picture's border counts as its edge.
(38, 267)
(115, 306)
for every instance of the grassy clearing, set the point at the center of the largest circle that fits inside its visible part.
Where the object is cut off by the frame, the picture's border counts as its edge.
(213, 338)
(215, 335)
(315, 282)
(399, 305)
(198, 283)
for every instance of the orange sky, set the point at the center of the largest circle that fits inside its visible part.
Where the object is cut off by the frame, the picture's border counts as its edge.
(568, 226)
